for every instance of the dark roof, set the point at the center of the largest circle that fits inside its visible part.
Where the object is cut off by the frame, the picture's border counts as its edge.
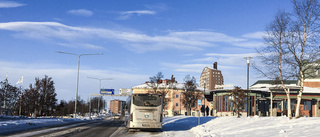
(275, 82)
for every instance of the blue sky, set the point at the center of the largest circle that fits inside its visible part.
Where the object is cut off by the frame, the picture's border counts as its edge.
(137, 39)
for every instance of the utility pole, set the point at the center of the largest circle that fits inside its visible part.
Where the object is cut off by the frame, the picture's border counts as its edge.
(79, 55)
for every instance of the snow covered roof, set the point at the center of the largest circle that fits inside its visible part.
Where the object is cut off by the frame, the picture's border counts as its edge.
(266, 85)
(274, 82)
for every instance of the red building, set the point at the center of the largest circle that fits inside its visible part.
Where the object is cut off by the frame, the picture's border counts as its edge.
(116, 106)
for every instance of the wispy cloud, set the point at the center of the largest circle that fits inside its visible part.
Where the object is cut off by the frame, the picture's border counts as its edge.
(127, 14)
(81, 45)
(206, 36)
(160, 7)
(255, 35)
(232, 55)
(226, 60)
(137, 42)
(195, 68)
(81, 12)
(150, 10)
(10, 4)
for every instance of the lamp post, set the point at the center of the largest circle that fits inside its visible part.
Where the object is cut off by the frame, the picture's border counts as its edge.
(204, 99)
(248, 64)
(100, 79)
(79, 55)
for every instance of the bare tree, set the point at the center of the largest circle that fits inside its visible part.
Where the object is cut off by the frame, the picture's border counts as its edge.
(30, 101)
(155, 82)
(274, 54)
(303, 44)
(40, 98)
(47, 94)
(293, 40)
(96, 103)
(190, 95)
(158, 86)
(238, 99)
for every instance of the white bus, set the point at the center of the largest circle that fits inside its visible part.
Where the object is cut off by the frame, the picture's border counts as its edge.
(145, 111)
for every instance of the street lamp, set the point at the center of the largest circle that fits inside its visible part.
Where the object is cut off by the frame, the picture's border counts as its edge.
(248, 64)
(79, 55)
(100, 79)
(204, 99)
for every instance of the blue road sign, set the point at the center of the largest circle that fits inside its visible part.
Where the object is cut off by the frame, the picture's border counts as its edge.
(107, 91)
(199, 102)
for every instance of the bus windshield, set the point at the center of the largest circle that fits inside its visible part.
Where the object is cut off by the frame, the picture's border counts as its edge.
(147, 100)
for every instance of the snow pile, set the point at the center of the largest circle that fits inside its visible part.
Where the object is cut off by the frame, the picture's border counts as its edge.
(28, 124)
(259, 126)
(11, 124)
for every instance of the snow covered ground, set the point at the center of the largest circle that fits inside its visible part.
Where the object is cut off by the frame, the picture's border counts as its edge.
(259, 126)
(185, 126)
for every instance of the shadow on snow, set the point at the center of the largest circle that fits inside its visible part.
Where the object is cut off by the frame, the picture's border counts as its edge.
(185, 123)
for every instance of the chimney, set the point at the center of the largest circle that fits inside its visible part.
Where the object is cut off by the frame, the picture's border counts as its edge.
(173, 79)
(215, 65)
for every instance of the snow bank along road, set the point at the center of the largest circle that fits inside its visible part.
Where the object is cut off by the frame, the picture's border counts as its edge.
(52, 127)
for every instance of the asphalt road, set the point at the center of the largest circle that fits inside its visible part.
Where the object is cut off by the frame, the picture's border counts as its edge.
(105, 128)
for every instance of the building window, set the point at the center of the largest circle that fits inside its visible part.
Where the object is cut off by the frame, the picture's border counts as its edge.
(307, 105)
(177, 104)
(317, 71)
(292, 104)
(177, 95)
(224, 104)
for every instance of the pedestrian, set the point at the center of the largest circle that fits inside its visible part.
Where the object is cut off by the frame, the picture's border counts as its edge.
(207, 109)
(203, 110)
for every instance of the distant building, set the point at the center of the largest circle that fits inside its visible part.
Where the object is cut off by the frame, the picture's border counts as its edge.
(117, 105)
(210, 77)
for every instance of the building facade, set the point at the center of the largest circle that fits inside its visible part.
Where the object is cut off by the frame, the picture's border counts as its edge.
(265, 98)
(174, 93)
(116, 106)
(210, 77)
